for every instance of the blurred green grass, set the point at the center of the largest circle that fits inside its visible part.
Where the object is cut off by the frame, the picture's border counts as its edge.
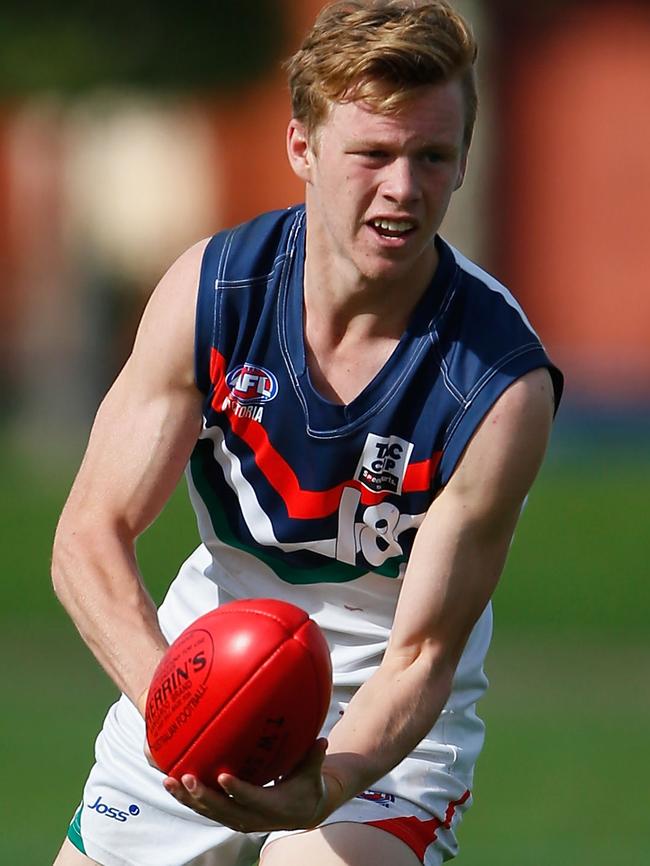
(562, 776)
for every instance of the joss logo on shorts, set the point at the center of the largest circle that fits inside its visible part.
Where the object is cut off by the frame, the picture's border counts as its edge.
(251, 384)
(111, 812)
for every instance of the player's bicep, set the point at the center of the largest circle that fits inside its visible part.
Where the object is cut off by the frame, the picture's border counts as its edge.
(138, 448)
(148, 422)
(461, 547)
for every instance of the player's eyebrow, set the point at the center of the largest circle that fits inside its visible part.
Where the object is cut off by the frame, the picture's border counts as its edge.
(446, 150)
(450, 151)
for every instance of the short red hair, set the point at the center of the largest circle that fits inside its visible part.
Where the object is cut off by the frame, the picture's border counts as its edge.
(378, 51)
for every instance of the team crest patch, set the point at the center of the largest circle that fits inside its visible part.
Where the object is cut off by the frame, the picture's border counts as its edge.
(383, 463)
(378, 797)
(252, 385)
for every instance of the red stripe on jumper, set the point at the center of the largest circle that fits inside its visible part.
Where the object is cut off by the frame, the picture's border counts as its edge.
(301, 503)
(418, 834)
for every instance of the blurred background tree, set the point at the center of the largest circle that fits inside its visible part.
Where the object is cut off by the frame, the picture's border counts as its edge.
(157, 45)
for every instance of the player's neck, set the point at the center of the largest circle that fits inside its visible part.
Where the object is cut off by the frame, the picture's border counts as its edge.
(341, 299)
(351, 328)
(340, 367)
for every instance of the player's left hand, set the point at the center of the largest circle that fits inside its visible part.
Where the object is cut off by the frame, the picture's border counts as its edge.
(299, 801)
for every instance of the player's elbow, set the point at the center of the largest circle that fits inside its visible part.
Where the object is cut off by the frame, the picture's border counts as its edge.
(77, 544)
(429, 664)
(66, 558)
(438, 664)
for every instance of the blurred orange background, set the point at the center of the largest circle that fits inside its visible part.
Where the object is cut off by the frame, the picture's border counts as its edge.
(100, 192)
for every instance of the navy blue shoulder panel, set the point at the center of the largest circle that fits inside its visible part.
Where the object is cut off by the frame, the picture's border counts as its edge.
(485, 344)
(242, 256)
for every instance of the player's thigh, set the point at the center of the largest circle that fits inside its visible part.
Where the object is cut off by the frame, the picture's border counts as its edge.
(71, 856)
(343, 844)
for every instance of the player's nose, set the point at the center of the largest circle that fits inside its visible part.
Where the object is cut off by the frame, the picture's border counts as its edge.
(400, 183)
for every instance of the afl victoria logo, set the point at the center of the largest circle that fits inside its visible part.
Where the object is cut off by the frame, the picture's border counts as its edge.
(250, 384)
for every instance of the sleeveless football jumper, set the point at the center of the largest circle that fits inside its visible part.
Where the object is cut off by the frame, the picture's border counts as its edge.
(317, 503)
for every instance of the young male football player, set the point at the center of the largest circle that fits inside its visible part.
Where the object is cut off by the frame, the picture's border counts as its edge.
(361, 411)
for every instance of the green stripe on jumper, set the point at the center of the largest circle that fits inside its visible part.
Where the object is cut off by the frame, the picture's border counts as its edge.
(336, 572)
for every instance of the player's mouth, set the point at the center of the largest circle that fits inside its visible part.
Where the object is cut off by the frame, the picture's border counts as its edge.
(392, 229)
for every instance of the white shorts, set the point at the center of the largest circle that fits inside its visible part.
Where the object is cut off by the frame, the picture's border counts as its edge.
(126, 817)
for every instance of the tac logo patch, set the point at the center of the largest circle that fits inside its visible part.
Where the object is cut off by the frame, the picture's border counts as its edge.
(252, 385)
(383, 463)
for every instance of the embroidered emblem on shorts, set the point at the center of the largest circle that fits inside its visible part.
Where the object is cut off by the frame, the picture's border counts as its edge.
(378, 797)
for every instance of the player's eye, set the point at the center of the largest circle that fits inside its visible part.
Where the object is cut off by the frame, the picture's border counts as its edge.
(374, 155)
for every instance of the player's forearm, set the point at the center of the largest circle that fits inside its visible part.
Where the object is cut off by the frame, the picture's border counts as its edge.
(385, 720)
(96, 578)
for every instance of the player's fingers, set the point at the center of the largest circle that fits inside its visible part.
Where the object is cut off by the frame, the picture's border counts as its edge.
(191, 792)
(236, 788)
(196, 789)
(179, 792)
(172, 786)
(214, 803)
(246, 795)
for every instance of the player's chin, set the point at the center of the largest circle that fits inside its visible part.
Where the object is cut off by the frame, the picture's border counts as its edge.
(388, 268)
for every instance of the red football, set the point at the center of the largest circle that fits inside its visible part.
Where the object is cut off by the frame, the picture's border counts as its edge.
(243, 690)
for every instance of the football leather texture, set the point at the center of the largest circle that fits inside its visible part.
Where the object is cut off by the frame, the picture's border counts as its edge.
(244, 690)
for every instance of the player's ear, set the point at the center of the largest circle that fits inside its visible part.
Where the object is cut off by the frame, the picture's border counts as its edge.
(299, 150)
(461, 170)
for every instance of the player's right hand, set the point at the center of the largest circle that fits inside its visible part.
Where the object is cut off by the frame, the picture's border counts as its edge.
(298, 802)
